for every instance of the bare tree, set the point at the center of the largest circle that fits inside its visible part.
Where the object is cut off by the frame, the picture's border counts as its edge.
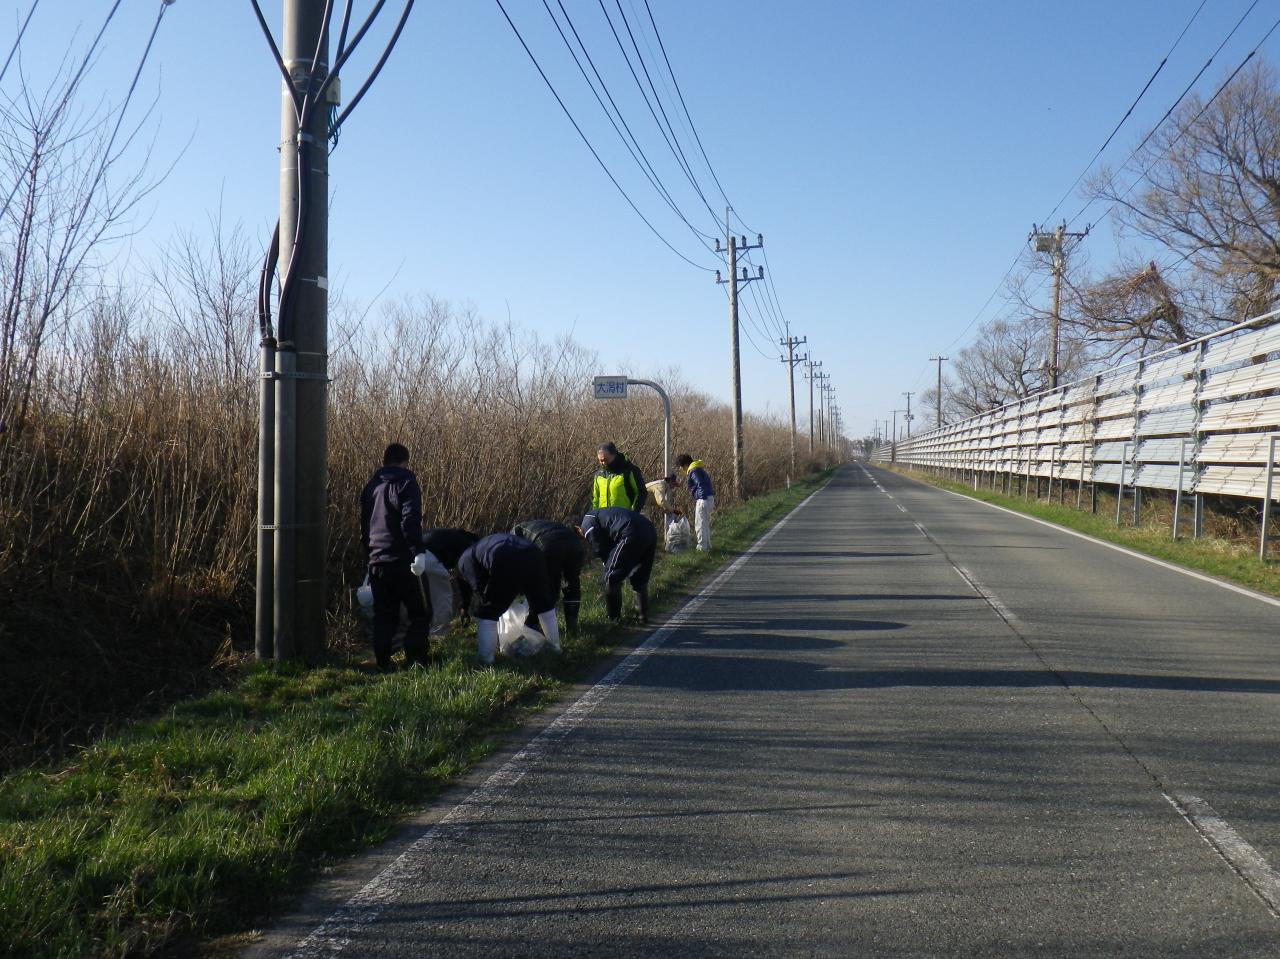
(65, 190)
(1210, 193)
(1005, 362)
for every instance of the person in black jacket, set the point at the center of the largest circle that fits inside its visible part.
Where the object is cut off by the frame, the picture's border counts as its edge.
(626, 542)
(562, 549)
(391, 529)
(495, 571)
(443, 547)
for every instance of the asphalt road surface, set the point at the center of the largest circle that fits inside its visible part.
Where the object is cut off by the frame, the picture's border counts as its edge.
(907, 725)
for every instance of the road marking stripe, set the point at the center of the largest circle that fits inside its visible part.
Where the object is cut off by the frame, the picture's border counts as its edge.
(1246, 861)
(992, 600)
(333, 935)
(1203, 577)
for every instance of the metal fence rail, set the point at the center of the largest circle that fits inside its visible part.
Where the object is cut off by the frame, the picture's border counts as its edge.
(1198, 419)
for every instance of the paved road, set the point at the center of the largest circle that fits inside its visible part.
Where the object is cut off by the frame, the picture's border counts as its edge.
(909, 725)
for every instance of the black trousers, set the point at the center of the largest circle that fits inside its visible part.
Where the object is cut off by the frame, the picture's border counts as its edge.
(631, 560)
(394, 585)
(564, 566)
(514, 572)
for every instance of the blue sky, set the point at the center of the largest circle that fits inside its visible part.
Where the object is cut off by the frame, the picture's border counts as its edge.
(893, 154)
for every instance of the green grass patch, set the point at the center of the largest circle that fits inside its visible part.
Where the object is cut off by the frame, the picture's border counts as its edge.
(195, 823)
(1236, 562)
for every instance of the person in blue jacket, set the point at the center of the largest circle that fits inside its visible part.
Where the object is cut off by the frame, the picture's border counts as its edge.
(703, 495)
(493, 573)
(391, 530)
(626, 542)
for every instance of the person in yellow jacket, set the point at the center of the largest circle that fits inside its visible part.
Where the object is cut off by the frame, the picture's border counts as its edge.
(618, 482)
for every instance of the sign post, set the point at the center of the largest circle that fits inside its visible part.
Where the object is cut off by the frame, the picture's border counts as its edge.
(615, 388)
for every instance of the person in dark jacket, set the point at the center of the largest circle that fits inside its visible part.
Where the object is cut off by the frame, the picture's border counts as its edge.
(391, 530)
(703, 495)
(618, 482)
(496, 570)
(442, 548)
(562, 549)
(626, 542)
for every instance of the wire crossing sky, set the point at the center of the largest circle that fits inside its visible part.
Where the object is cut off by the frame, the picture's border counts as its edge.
(893, 155)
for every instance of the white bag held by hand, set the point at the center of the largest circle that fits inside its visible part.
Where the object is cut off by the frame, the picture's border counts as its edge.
(515, 638)
(679, 536)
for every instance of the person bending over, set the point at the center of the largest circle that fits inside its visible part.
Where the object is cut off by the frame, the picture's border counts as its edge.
(562, 550)
(626, 542)
(494, 572)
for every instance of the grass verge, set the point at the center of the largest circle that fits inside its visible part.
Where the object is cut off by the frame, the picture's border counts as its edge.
(197, 823)
(1234, 562)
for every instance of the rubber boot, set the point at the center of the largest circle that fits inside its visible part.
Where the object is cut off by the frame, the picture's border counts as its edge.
(613, 602)
(487, 639)
(571, 618)
(642, 600)
(550, 628)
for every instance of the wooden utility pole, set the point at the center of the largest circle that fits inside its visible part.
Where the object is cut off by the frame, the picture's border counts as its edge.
(939, 360)
(791, 360)
(733, 247)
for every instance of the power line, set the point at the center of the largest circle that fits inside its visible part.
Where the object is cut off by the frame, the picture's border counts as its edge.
(1192, 122)
(636, 151)
(612, 179)
(679, 93)
(673, 147)
(1127, 113)
(1168, 113)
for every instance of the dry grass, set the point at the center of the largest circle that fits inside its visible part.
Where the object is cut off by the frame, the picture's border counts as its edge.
(127, 494)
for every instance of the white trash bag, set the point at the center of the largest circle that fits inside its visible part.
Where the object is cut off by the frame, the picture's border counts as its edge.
(515, 638)
(679, 536)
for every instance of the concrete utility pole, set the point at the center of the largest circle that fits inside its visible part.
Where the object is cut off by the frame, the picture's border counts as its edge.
(733, 247)
(810, 375)
(939, 360)
(909, 416)
(791, 360)
(1055, 243)
(301, 447)
(822, 396)
(828, 392)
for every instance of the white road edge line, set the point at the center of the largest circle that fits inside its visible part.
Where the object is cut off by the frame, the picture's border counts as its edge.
(1246, 861)
(333, 935)
(1203, 577)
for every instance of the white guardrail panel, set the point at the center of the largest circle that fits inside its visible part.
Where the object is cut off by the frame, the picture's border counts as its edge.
(1210, 403)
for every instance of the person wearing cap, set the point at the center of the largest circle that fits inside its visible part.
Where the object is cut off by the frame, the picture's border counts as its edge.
(391, 531)
(494, 571)
(704, 497)
(618, 482)
(625, 541)
(563, 551)
(663, 493)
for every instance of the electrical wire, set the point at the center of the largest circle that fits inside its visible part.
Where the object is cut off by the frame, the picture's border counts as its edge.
(675, 151)
(614, 180)
(377, 69)
(1168, 113)
(1192, 122)
(636, 151)
(18, 39)
(680, 94)
(1128, 113)
(1017, 257)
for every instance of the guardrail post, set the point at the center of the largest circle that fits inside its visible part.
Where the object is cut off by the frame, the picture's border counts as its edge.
(1124, 462)
(1263, 538)
(1177, 496)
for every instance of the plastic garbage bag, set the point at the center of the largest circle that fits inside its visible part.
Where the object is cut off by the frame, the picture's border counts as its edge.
(364, 604)
(679, 536)
(515, 637)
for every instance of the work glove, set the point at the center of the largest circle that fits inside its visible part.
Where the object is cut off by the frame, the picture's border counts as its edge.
(419, 564)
